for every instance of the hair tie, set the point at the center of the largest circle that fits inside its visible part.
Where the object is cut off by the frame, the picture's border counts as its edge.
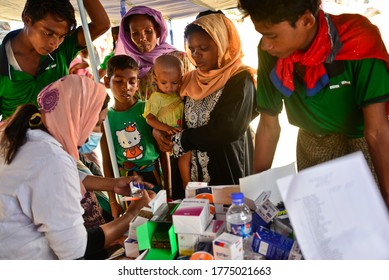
(35, 120)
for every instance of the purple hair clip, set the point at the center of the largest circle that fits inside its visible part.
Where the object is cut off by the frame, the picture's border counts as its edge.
(48, 99)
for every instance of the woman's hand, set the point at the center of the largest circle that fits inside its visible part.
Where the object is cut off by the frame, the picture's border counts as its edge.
(122, 184)
(136, 205)
(163, 139)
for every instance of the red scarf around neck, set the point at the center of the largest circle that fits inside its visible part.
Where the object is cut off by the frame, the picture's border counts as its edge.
(359, 37)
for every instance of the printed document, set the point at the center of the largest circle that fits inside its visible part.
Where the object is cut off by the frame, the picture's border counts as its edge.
(337, 211)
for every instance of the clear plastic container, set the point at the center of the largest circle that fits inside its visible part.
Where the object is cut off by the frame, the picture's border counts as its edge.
(136, 189)
(239, 216)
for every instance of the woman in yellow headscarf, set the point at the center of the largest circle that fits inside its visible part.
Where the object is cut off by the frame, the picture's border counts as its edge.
(219, 105)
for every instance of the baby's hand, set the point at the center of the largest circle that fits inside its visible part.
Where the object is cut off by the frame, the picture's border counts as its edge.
(173, 130)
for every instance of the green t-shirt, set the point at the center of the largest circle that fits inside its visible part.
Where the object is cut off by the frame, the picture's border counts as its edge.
(132, 137)
(19, 88)
(337, 108)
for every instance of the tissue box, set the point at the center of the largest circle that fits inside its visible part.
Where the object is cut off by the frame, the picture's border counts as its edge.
(275, 246)
(191, 216)
(228, 247)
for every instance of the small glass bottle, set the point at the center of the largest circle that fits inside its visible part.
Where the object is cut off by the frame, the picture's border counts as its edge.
(239, 216)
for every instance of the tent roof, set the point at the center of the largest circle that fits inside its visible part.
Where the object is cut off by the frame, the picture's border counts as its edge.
(11, 10)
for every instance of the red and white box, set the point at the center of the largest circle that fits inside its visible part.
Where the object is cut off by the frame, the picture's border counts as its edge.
(191, 216)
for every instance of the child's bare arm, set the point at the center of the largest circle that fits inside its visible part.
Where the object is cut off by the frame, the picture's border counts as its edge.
(155, 123)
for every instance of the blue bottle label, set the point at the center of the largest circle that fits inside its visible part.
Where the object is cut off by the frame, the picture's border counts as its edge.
(243, 230)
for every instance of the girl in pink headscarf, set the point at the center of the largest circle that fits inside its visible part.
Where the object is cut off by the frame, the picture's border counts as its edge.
(41, 215)
(142, 35)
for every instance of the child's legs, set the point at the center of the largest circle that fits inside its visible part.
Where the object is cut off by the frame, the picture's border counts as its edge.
(166, 172)
(184, 166)
(178, 191)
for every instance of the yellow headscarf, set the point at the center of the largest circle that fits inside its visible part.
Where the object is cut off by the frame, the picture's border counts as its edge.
(198, 84)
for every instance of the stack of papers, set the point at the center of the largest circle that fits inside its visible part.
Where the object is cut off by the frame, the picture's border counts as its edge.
(337, 211)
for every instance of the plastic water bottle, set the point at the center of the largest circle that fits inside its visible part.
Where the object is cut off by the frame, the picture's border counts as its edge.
(239, 216)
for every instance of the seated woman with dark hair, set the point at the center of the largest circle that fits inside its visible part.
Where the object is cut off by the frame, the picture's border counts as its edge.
(41, 215)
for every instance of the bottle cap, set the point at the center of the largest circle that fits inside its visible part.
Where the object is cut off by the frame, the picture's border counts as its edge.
(237, 197)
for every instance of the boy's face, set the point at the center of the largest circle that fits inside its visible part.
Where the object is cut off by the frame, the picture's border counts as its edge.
(46, 34)
(168, 80)
(123, 84)
(282, 39)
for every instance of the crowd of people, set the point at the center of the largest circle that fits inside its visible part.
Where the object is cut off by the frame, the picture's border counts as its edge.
(177, 115)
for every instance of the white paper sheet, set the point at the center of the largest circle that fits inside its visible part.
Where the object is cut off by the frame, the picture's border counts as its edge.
(337, 211)
(254, 185)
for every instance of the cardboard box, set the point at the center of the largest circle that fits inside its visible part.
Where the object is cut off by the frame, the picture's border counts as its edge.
(191, 216)
(261, 199)
(164, 213)
(214, 229)
(267, 211)
(145, 233)
(264, 214)
(221, 216)
(281, 224)
(202, 193)
(222, 194)
(131, 248)
(228, 247)
(275, 246)
(158, 201)
(257, 222)
(186, 243)
(190, 190)
(142, 217)
(221, 208)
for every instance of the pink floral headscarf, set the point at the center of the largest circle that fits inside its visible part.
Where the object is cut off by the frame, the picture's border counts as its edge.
(126, 46)
(70, 108)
